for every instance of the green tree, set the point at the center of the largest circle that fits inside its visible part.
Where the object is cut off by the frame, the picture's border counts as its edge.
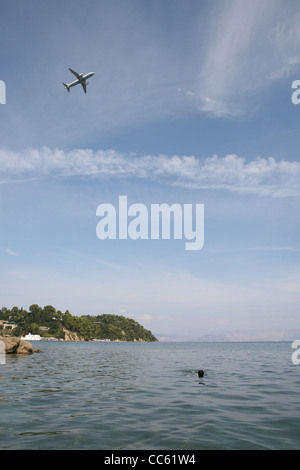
(35, 312)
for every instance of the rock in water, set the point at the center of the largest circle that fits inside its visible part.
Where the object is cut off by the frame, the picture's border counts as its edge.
(11, 344)
(16, 345)
(24, 347)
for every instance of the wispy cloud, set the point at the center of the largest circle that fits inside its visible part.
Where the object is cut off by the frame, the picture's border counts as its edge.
(11, 252)
(286, 40)
(233, 49)
(246, 45)
(260, 176)
(286, 69)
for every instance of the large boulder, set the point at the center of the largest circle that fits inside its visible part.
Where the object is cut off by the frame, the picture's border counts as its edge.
(24, 347)
(11, 344)
(16, 345)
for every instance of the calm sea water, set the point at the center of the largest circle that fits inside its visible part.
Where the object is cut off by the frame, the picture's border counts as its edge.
(148, 396)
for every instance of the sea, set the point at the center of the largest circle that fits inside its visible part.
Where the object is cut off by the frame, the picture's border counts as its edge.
(148, 396)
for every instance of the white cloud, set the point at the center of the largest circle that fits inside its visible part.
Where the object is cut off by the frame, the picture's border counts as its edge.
(260, 176)
(11, 252)
(288, 67)
(286, 39)
(246, 44)
(233, 49)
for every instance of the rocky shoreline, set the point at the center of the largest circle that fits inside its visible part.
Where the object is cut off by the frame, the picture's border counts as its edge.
(14, 345)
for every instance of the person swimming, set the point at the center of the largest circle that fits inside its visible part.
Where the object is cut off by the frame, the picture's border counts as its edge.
(200, 373)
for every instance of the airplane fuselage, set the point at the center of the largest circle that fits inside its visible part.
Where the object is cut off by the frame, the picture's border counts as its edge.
(82, 79)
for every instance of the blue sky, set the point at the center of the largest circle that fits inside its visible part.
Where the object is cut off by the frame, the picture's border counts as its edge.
(190, 103)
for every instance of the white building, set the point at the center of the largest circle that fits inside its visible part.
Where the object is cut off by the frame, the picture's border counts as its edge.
(31, 337)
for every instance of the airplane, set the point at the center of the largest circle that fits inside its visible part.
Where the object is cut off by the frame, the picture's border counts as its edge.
(80, 79)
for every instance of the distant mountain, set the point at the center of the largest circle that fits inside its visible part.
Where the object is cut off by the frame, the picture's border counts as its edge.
(252, 335)
(236, 336)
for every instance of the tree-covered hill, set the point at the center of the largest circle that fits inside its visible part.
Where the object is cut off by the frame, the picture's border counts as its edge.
(49, 322)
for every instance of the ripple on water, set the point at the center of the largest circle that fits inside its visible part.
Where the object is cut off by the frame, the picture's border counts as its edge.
(149, 396)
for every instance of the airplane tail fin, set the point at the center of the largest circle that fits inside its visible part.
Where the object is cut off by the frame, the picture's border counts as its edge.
(67, 87)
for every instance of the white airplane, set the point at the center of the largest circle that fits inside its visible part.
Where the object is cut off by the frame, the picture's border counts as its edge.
(80, 79)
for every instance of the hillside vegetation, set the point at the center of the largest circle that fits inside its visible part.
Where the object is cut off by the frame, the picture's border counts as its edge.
(49, 322)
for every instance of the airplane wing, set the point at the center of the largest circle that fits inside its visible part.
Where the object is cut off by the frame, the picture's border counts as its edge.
(84, 87)
(75, 73)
